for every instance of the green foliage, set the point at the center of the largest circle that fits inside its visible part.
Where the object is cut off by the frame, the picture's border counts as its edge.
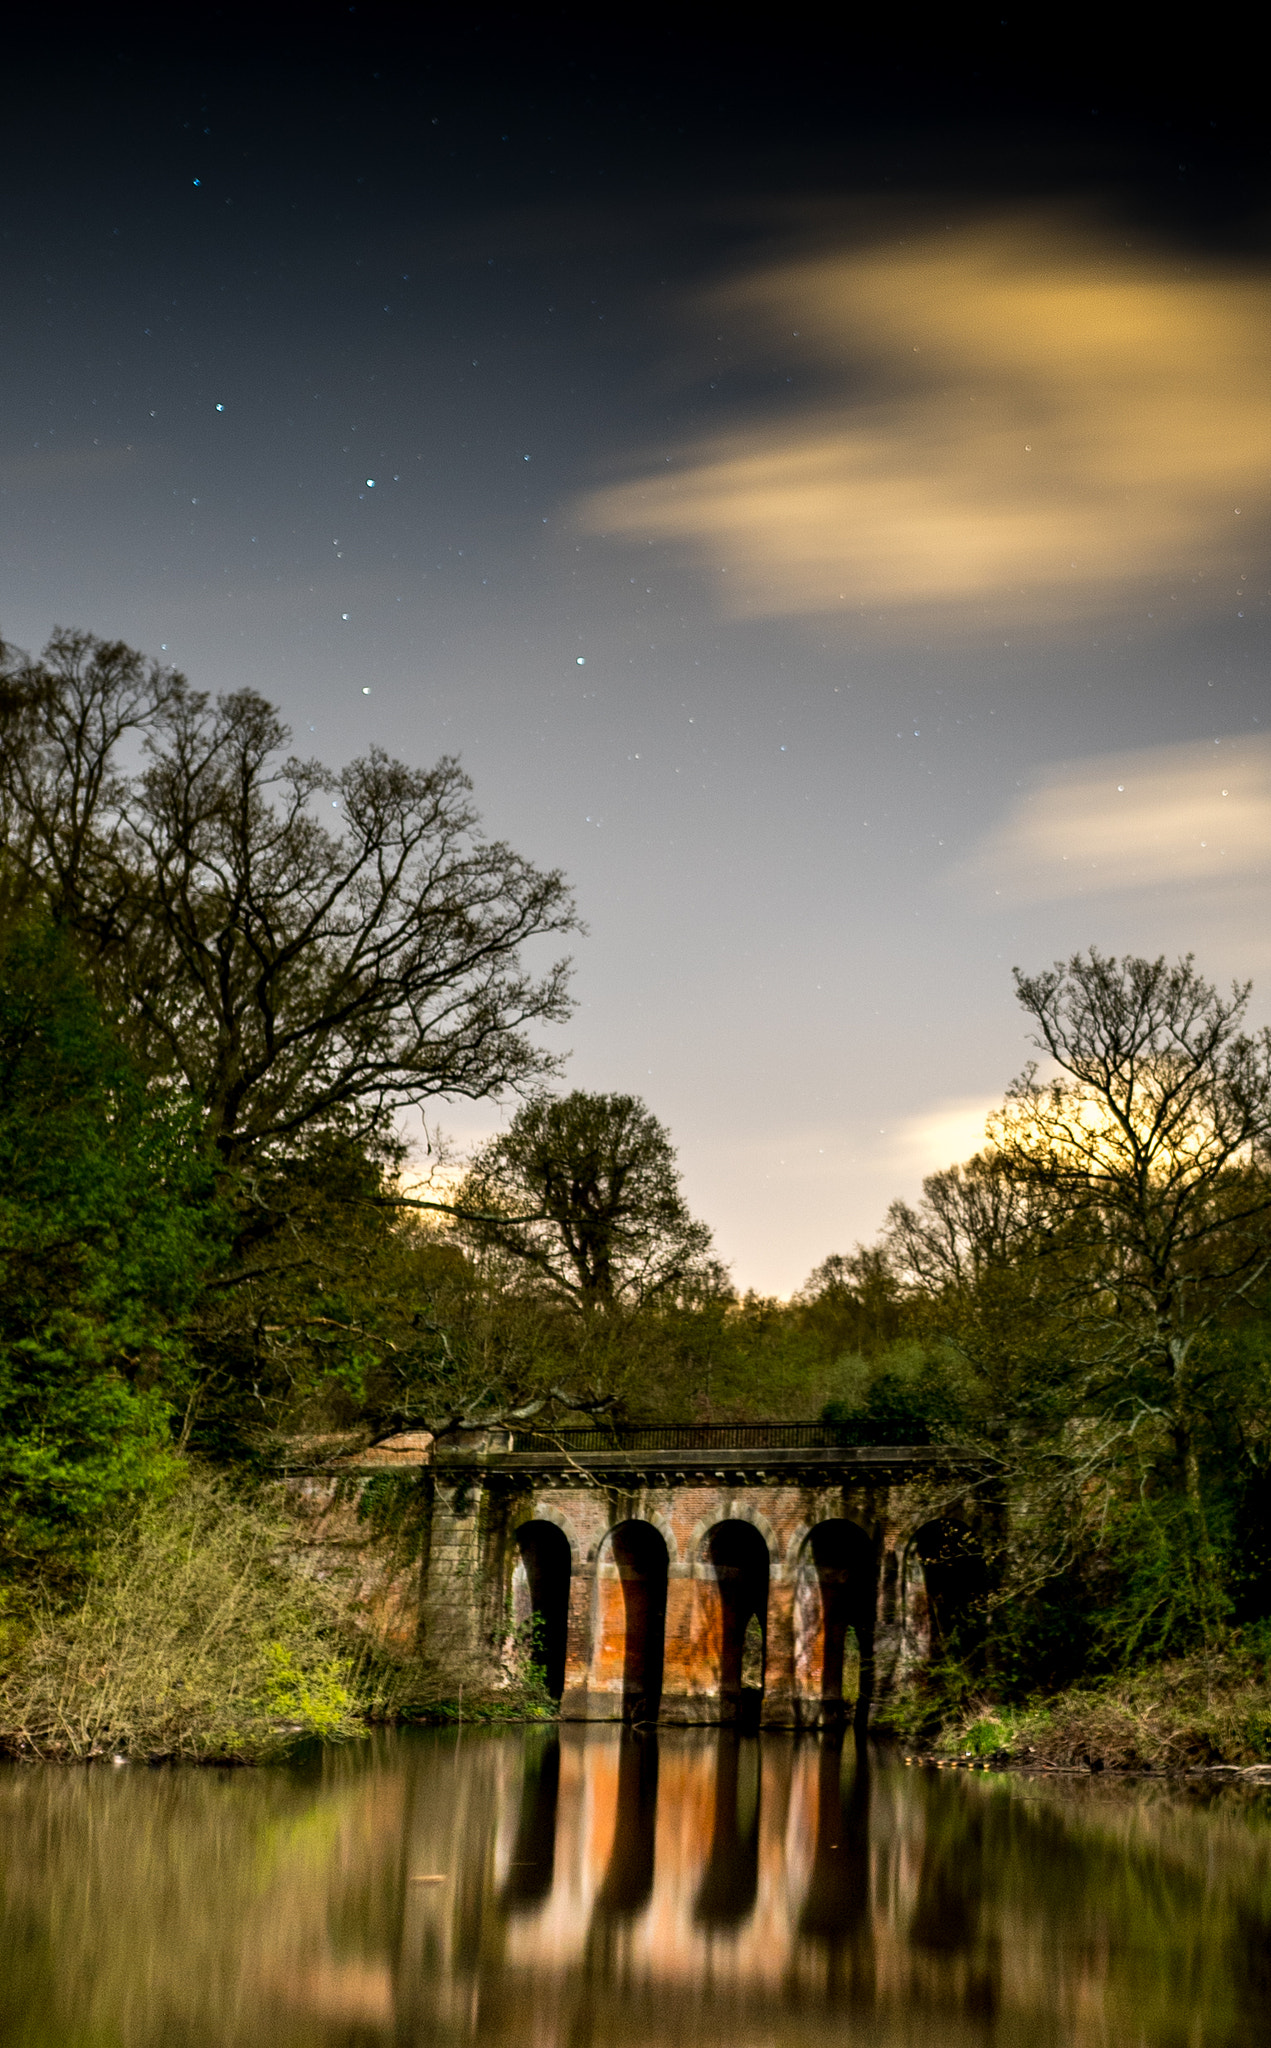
(527, 1658)
(195, 1639)
(106, 1223)
(904, 1395)
(1165, 1582)
(205, 1240)
(853, 1304)
(1211, 1707)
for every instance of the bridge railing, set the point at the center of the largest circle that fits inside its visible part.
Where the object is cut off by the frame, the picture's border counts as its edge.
(721, 1436)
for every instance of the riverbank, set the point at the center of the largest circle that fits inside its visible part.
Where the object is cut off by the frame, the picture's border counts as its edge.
(1210, 1712)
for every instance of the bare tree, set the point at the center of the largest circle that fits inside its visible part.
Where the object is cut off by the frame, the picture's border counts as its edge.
(1148, 1151)
(973, 1223)
(301, 947)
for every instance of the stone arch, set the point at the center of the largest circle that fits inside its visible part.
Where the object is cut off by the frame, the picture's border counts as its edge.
(540, 1594)
(661, 1521)
(835, 1599)
(735, 1511)
(542, 1511)
(794, 1547)
(630, 1635)
(735, 1576)
(954, 1577)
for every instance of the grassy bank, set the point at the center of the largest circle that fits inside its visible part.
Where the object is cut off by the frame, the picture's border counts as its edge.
(1197, 1712)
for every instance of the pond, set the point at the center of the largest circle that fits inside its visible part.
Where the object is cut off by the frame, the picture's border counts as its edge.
(591, 1885)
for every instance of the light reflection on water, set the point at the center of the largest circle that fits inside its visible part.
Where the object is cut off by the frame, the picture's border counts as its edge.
(625, 1890)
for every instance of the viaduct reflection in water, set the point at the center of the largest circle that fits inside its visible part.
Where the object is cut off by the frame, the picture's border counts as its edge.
(624, 1887)
(634, 1856)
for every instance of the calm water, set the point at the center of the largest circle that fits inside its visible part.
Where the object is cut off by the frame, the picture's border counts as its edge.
(621, 1891)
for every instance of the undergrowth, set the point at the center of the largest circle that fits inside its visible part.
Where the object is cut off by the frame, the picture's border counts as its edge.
(194, 1639)
(1212, 1707)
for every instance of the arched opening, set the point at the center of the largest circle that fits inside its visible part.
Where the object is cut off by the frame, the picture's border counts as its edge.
(640, 1554)
(738, 1557)
(834, 1620)
(956, 1579)
(542, 1598)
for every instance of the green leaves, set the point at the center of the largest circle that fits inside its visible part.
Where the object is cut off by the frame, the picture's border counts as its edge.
(194, 1639)
(107, 1221)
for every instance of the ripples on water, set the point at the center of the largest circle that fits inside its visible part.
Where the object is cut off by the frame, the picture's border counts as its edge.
(626, 1890)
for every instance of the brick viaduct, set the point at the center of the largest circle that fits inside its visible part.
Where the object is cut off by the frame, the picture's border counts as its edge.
(757, 1574)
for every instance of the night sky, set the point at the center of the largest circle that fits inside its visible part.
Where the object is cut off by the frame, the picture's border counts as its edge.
(823, 499)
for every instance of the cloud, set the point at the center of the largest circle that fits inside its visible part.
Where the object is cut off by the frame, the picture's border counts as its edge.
(1016, 409)
(1156, 817)
(945, 1133)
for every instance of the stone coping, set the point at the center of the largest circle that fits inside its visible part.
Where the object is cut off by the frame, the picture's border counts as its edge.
(658, 1468)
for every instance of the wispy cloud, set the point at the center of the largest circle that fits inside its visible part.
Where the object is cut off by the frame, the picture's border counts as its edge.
(1197, 813)
(940, 1135)
(1024, 412)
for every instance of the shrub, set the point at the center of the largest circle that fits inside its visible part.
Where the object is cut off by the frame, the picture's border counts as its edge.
(196, 1639)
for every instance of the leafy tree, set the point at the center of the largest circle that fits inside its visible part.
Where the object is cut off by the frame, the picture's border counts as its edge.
(581, 1191)
(291, 974)
(1104, 1267)
(853, 1301)
(106, 1226)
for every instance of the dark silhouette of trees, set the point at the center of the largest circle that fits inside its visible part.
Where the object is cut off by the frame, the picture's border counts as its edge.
(300, 947)
(587, 1199)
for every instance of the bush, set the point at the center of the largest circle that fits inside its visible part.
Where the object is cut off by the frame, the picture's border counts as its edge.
(107, 1223)
(1210, 1708)
(904, 1395)
(196, 1639)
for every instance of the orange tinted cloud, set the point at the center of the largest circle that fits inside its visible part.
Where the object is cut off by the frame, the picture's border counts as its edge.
(1178, 815)
(1024, 410)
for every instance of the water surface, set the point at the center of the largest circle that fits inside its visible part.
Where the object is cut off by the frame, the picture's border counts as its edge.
(558, 1890)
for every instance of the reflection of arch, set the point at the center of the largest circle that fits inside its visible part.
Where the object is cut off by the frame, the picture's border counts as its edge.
(640, 1555)
(545, 1561)
(739, 1560)
(529, 1878)
(834, 1604)
(835, 1909)
(628, 1880)
(955, 1574)
(730, 1882)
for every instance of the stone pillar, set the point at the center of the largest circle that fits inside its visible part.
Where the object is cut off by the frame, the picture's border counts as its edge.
(779, 1690)
(680, 1674)
(457, 1593)
(608, 1643)
(578, 1644)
